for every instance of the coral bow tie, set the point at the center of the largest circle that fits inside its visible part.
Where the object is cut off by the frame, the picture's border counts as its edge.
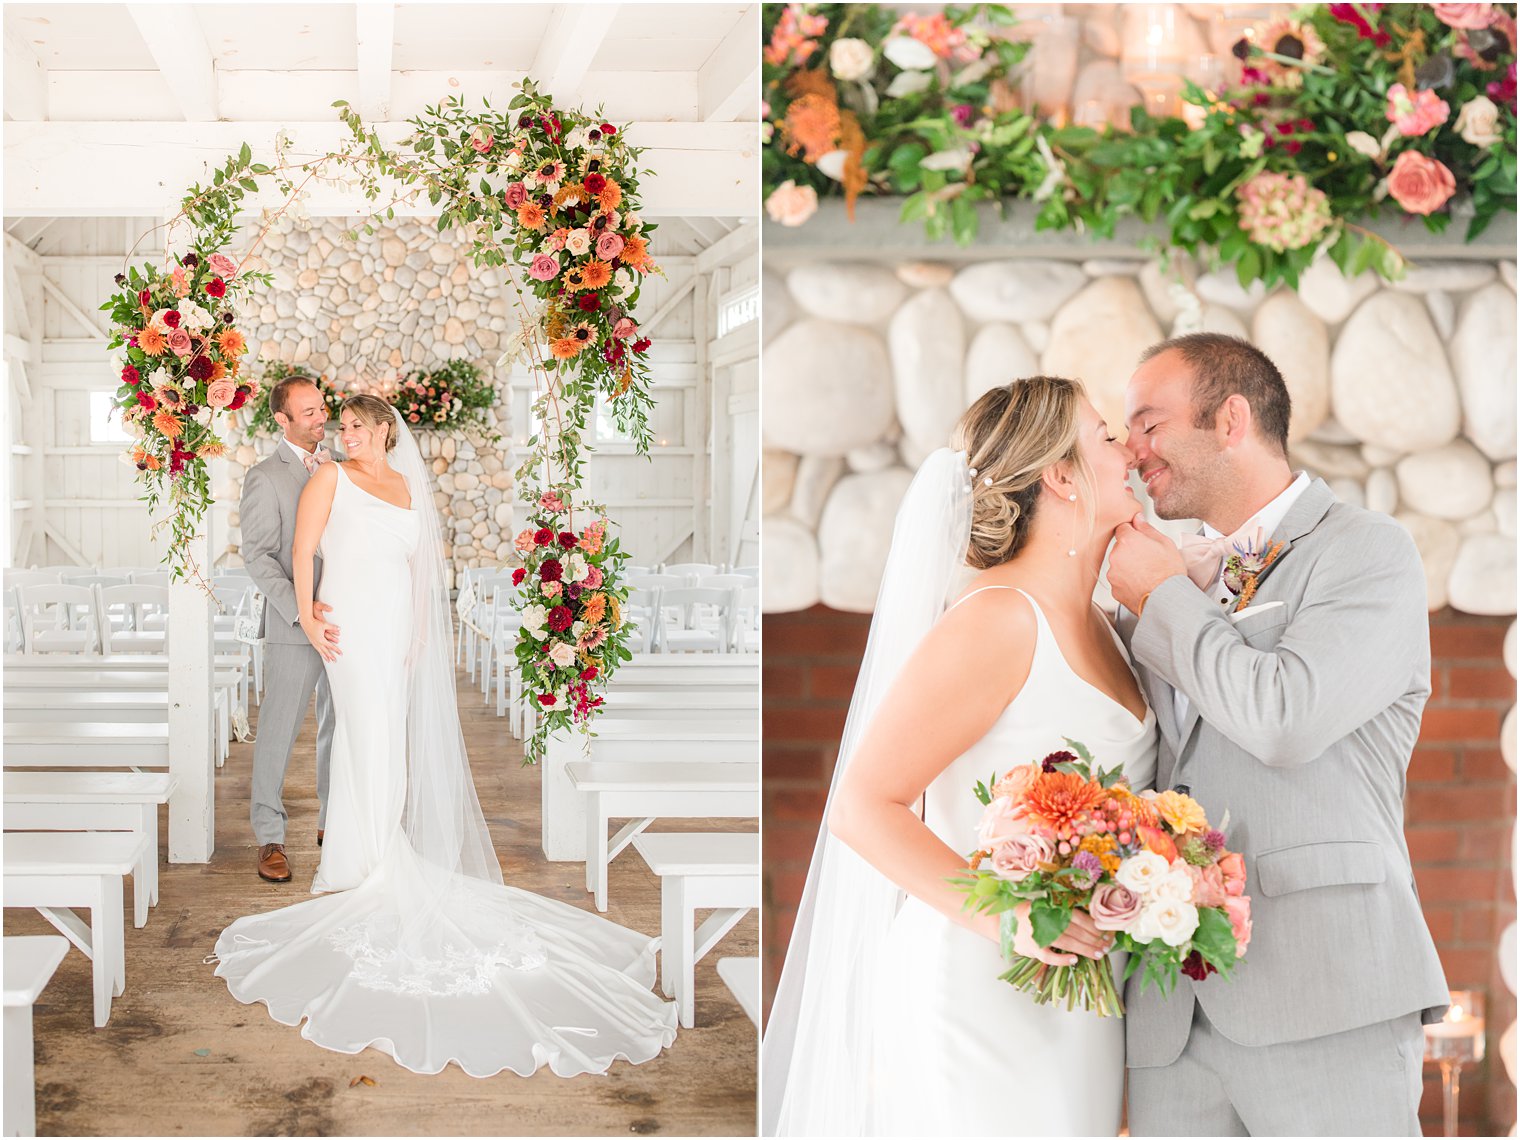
(1204, 557)
(315, 460)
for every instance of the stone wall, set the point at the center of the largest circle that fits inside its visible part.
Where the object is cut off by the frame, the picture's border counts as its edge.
(1403, 393)
(361, 312)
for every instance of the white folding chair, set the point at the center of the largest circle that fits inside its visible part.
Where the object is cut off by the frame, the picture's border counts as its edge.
(14, 638)
(485, 590)
(152, 578)
(746, 620)
(705, 622)
(690, 572)
(128, 632)
(14, 578)
(58, 619)
(505, 624)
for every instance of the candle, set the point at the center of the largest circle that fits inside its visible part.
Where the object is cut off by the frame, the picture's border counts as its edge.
(1466, 1027)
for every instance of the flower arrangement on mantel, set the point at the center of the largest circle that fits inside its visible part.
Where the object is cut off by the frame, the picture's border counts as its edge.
(453, 396)
(1330, 114)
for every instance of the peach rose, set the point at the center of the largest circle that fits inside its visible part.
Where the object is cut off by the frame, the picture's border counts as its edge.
(1115, 907)
(1419, 184)
(1239, 910)
(563, 654)
(624, 328)
(219, 393)
(1022, 856)
(999, 824)
(790, 204)
(515, 195)
(524, 541)
(1016, 781)
(179, 342)
(1208, 885)
(1233, 868)
(221, 265)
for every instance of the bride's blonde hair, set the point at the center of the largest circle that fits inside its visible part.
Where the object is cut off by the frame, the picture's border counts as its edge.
(373, 412)
(1011, 436)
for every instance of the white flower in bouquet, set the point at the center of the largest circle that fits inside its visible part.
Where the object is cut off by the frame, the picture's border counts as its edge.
(159, 377)
(851, 59)
(1176, 885)
(192, 316)
(535, 619)
(832, 164)
(1478, 122)
(1171, 921)
(1140, 872)
(908, 83)
(956, 158)
(576, 570)
(562, 653)
(623, 278)
(1363, 144)
(578, 242)
(908, 53)
(577, 138)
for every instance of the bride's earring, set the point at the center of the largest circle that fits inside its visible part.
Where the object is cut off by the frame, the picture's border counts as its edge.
(1072, 553)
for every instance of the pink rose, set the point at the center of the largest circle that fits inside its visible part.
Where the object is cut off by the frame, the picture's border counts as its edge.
(790, 204)
(179, 342)
(219, 393)
(516, 195)
(1233, 868)
(563, 653)
(624, 328)
(221, 265)
(1022, 856)
(1115, 907)
(524, 541)
(551, 589)
(999, 824)
(1016, 781)
(1415, 113)
(1208, 885)
(593, 578)
(1421, 185)
(1239, 910)
(608, 246)
(481, 140)
(551, 502)
(543, 267)
(578, 242)
(1465, 15)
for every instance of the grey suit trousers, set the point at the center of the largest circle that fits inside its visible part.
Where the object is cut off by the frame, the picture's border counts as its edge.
(292, 672)
(1363, 1082)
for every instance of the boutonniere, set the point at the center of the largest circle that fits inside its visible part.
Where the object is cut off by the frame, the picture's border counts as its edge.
(1244, 568)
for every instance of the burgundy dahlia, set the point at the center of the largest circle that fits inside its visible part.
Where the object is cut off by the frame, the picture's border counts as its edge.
(1049, 763)
(573, 591)
(543, 536)
(560, 618)
(595, 183)
(550, 571)
(567, 540)
(589, 302)
(1196, 968)
(200, 368)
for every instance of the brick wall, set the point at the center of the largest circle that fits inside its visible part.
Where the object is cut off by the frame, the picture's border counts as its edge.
(1460, 808)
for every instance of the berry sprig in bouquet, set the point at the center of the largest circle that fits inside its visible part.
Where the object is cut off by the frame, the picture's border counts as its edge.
(575, 631)
(1064, 835)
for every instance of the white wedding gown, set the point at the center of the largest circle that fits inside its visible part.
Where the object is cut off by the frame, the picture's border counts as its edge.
(425, 965)
(958, 1052)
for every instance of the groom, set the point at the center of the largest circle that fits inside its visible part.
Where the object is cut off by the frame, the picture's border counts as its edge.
(292, 667)
(1295, 713)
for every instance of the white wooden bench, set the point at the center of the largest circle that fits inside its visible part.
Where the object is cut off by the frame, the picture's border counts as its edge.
(86, 745)
(57, 705)
(619, 738)
(29, 964)
(698, 871)
(56, 871)
(95, 801)
(742, 977)
(643, 791)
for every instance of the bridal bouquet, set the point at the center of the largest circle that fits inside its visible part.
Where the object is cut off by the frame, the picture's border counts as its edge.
(1064, 835)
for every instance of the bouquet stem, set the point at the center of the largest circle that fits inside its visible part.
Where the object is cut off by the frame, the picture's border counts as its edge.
(1087, 985)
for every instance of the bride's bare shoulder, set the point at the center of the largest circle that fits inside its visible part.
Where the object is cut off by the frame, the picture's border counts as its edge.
(998, 609)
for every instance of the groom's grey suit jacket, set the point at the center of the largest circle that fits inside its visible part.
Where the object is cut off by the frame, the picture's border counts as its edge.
(267, 516)
(1300, 721)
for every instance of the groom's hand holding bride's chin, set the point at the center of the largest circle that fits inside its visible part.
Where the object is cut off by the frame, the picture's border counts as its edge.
(1141, 559)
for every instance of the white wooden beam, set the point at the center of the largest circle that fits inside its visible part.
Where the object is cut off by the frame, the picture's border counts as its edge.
(53, 169)
(730, 248)
(647, 328)
(67, 304)
(728, 83)
(175, 40)
(571, 41)
(25, 79)
(377, 36)
(22, 255)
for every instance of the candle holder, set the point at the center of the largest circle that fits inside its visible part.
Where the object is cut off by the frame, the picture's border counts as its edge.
(1454, 1041)
(1152, 59)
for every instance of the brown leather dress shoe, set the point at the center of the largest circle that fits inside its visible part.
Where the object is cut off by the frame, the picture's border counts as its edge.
(320, 833)
(273, 866)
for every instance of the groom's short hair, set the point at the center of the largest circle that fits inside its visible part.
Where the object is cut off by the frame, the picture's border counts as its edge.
(1225, 366)
(279, 395)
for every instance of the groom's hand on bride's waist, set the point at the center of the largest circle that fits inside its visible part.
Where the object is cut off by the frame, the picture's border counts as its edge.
(1141, 559)
(322, 609)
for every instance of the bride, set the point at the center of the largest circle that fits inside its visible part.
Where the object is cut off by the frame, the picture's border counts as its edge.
(890, 1018)
(415, 946)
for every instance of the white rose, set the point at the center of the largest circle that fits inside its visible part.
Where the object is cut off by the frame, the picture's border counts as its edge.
(1363, 143)
(577, 568)
(632, 222)
(1176, 885)
(623, 279)
(513, 161)
(908, 83)
(1478, 122)
(578, 242)
(530, 181)
(1139, 873)
(192, 316)
(577, 138)
(1171, 921)
(908, 54)
(562, 654)
(158, 377)
(832, 164)
(851, 59)
(535, 619)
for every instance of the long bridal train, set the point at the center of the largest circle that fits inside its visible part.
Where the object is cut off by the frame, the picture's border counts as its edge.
(421, 951)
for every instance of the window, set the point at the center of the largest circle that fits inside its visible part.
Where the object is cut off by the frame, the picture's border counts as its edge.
(606, 429)
(738, 308)
(105, 421)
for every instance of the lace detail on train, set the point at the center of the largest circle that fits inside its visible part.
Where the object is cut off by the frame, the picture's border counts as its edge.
(379, 963)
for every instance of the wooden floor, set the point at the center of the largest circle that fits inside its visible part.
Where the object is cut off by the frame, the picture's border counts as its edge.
(181, 1056)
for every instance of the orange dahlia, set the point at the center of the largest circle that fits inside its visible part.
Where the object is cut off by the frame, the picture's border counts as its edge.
(596, 274)
(218, 372)
(530, 215)
(635, 251)
(573, 194)
(566, 347)
(151, 341)
(611, 195)
(1140, 810)
(811, 126)
(232, 343)
(167, 423)
(594, 608)
(152, 462)
(1059, 800)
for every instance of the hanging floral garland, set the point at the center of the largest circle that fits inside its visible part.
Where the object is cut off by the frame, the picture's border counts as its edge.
(1327, 114)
